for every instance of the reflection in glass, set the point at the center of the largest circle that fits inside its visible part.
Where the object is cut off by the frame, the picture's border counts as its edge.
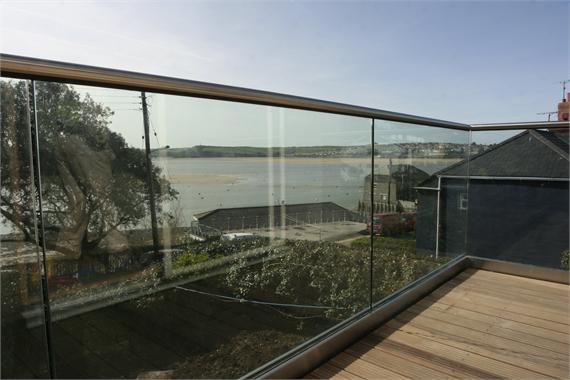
(96, 212)
(261, 234)
(23, 345)
(263, 227)
(519, 197)
(419, 207)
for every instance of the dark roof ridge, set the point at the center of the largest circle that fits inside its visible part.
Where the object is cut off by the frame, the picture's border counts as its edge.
(207, 213)
(471, 158)
(539, 135)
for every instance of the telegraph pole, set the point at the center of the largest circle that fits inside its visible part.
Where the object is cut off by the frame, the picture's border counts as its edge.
(390, 180)
(150, 186)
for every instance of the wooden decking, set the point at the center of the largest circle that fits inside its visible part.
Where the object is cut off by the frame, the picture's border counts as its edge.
(478, 325)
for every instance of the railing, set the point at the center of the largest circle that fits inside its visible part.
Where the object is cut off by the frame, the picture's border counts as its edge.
(31, 68)
(237, 229)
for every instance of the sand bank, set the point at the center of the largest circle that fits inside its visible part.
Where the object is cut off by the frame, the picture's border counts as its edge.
(202, 179)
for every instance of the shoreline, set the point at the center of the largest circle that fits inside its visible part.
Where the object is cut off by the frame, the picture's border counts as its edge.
(324, 160)
(201, 179)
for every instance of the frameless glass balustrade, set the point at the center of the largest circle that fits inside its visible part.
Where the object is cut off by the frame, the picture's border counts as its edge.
(519, 197)
(266, 206)
(418, 195)
(200, 238)
(23, 349)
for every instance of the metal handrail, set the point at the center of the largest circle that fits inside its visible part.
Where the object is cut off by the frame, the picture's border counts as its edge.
(40, 69)
(520, 125)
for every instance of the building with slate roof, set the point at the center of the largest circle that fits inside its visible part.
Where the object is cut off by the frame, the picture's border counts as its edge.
(517, 209)
(392, 187)
(243, 218)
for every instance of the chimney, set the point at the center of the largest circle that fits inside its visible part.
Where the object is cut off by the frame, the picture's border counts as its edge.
(564, 108)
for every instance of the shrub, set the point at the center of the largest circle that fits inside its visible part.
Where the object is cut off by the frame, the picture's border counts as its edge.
(331, 274)
(218, 248)
(564, 259)
(199, 252)
(188, 258)
(385, 242)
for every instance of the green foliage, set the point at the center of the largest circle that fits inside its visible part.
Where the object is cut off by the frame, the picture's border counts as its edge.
(304, 272)
(219, 248)
(394, 269)
(565, 259)
(385, 243)
(188, 258)
(15, 157)
(198, 252)
(330, 274)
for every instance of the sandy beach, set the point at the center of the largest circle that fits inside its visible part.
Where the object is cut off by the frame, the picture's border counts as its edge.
(203, 179)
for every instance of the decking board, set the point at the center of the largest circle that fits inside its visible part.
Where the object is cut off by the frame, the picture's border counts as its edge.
(522, 287)
(480, 324)
(502, 321)
(556, 306)
(498, 310)
(500, 301)
(490, 327)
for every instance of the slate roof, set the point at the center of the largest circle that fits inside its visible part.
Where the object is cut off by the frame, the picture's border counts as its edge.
(263, 211)
(559, 140)
(532, 153)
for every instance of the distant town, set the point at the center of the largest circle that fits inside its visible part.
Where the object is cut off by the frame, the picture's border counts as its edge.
(416, 150)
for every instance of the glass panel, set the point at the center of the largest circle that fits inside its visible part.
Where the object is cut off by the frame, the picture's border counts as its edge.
(266, 235)
(420, 201)
(260, 231)
(96, 212)
(23, 345)
(519, 197)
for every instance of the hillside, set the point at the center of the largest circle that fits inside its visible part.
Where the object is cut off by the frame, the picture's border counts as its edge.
(417, 150)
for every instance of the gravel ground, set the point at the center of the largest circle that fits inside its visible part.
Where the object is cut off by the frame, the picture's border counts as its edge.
(315, 232)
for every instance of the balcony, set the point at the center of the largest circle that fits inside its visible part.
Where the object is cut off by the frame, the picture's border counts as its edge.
(480, 324)
(161, 228)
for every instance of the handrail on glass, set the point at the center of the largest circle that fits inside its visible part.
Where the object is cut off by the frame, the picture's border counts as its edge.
(393, 245)
(34, 68)
(520, 125)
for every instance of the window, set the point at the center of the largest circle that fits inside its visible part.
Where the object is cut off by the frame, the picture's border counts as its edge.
(463, 200)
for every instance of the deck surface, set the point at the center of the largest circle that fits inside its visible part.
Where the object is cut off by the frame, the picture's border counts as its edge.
(480, 324)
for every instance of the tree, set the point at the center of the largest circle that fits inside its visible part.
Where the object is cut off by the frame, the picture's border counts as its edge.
(15, 190)
(93, 182)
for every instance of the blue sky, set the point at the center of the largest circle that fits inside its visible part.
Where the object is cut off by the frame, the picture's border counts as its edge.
(470, 62)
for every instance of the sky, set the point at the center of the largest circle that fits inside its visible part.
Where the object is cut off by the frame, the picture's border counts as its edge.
(470, 62)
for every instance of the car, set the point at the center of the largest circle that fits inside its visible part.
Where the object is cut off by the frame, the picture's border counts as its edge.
(237, 236)
(392, 223)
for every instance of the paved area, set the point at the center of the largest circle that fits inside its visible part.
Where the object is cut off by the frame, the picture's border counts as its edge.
(316, 232)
